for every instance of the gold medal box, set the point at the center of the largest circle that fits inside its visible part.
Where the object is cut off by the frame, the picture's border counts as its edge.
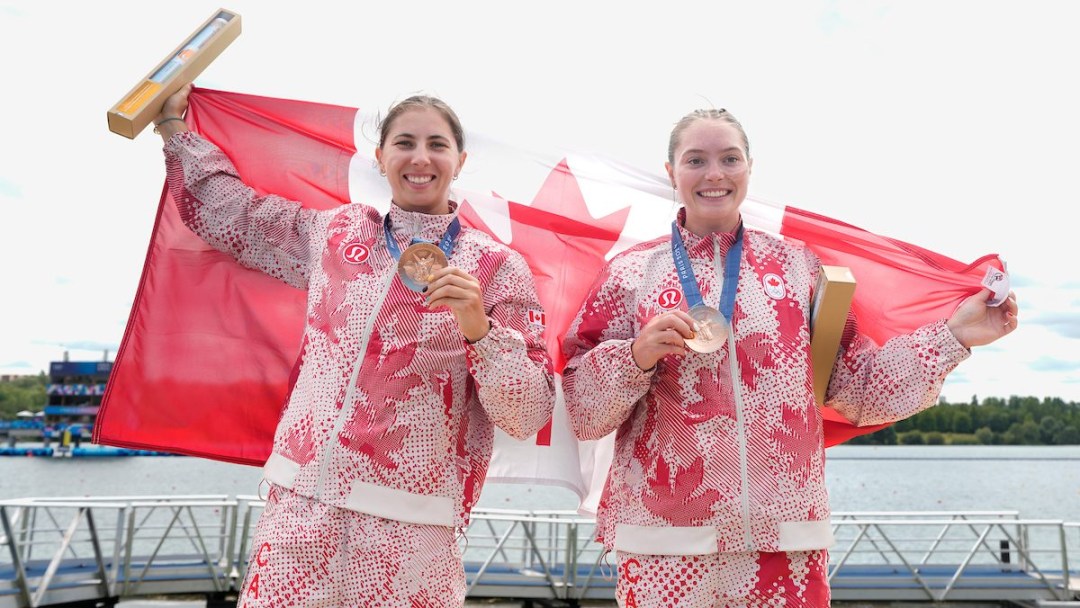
(132, 113)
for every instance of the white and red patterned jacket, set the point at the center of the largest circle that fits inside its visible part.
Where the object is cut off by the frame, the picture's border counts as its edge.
(391, 412)
(724, 452)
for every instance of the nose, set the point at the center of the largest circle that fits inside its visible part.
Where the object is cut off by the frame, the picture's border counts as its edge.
(420, 157)
(715, 173)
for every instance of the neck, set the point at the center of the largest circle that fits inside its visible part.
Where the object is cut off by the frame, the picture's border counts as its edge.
(704, 227)
(442, 208)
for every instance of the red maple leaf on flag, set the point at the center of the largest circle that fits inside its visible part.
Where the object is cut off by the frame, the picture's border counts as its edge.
(564, 245)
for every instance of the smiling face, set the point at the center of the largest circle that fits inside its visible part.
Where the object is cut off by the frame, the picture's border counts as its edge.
(710, 170)
(420, 158)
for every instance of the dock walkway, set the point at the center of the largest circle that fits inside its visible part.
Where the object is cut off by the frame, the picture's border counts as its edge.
(109, 549)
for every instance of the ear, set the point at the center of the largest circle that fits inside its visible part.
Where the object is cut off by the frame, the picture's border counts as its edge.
(378, 158)
(749, 165)
(670, 173)
(461, 162)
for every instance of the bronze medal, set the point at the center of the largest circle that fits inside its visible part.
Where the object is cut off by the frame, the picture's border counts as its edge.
(710, 329)
(418, 264)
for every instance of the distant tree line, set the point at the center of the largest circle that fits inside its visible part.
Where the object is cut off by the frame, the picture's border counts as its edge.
(994, 421)
(23, 393)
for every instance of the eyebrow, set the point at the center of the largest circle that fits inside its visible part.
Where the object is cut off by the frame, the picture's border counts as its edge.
(697, 151)
(411, 136)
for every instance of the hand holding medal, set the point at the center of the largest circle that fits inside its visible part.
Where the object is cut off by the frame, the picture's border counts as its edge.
(461, 293)
(710, 329)
(665, 334)
(424, 267)
(710, 325)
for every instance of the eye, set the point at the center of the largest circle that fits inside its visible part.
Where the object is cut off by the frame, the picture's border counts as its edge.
(693, 160)
(733, 160)
(440, 145)
(404, 144)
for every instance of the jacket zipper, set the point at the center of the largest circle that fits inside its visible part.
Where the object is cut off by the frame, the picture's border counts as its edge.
(740, 419)
(350, 392)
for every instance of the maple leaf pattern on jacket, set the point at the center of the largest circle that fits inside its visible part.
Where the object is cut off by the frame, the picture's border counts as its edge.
(716, 398)
(330, 313)
(299, 444)
(340, 236)
(372, 429)
(680, 498)
(704, 435)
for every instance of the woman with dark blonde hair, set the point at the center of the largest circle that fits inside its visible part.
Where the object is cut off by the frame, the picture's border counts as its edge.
(695, 350)
(417, 344)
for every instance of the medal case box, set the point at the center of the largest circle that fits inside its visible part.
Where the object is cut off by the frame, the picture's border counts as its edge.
(138, 108)
(828, 314)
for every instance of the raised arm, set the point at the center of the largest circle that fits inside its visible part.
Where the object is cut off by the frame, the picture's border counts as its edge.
(872, 385)
(266, 233)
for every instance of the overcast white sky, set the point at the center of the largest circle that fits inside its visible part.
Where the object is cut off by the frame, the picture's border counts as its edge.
(951, 125)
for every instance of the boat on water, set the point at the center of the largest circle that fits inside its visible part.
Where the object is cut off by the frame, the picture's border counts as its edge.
(65, 425)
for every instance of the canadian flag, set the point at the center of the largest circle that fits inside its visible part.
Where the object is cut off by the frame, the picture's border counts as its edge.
(210, 346)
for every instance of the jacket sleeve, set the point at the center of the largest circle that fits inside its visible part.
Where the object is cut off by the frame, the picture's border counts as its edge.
(878, 385)
(265, 233)
(511, 365)
(601, 382)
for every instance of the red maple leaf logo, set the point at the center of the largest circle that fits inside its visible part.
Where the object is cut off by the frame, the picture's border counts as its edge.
(673, 497)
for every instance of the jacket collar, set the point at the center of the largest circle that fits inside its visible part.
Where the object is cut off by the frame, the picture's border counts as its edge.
(698, 246)
(407, 225)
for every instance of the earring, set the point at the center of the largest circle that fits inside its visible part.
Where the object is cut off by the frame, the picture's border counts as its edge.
(455, 177)
(382, 172)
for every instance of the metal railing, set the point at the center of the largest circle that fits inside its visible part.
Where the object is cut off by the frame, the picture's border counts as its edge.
(59, 550)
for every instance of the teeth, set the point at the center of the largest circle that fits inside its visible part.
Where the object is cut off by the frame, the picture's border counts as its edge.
(417, 179)
(714, 193)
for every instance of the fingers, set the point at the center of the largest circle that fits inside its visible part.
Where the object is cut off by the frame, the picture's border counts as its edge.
(1012, 309)
(676, 323)
(177, 103)
(1011, 306)
(452, 287)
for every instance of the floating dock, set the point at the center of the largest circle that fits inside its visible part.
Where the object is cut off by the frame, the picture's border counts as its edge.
(102, 550)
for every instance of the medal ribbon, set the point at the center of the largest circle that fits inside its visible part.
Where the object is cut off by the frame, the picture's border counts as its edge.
(446, 243)
(689, 282)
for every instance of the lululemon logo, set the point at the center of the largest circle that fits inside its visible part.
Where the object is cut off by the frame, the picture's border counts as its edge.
(355, 253)
(669, 298)
(774, 286)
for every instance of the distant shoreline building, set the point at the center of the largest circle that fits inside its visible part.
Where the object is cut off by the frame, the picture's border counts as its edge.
(74, 395)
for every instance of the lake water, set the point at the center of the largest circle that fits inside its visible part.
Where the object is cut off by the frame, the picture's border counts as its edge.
(1041, 482)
